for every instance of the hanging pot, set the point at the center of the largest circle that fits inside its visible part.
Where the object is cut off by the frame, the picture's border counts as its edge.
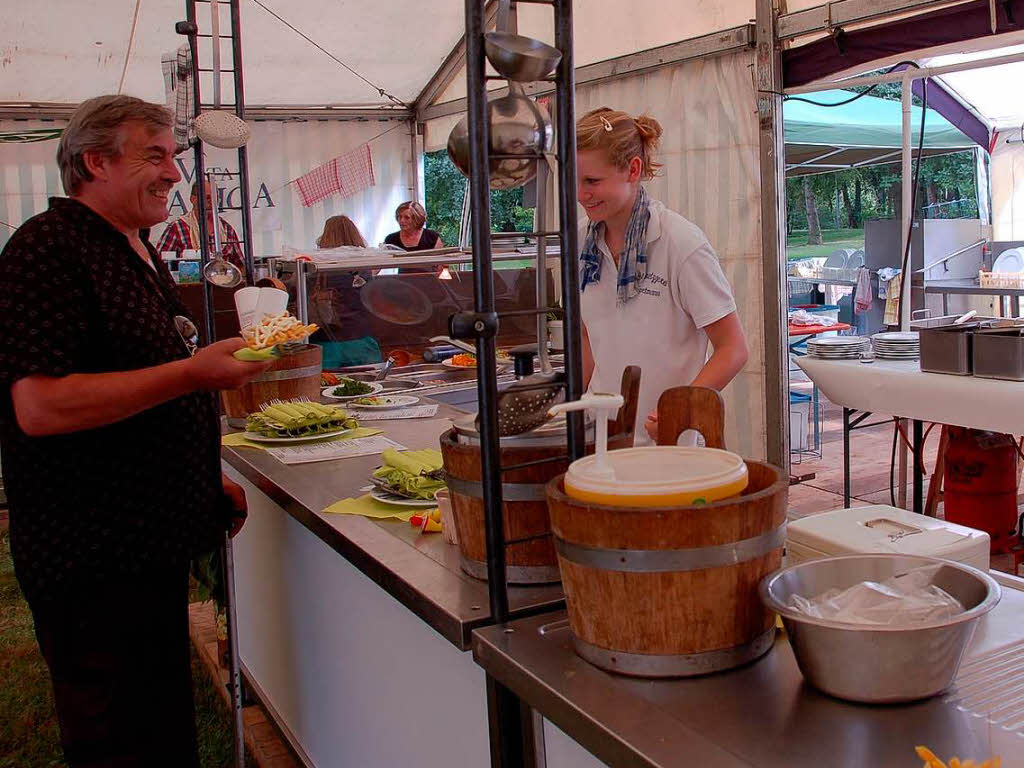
(518, 126)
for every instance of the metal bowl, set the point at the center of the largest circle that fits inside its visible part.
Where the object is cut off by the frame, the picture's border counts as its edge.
(520, 58)
(871, 663)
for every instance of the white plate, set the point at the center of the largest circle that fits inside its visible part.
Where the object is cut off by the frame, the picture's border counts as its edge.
(373, 385)
(387, 497)
(901, 337)
(394, 401)
(1009, 260)
(256, 437)
(837, 341)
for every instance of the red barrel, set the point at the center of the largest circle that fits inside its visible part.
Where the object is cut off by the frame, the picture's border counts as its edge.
(980, 482)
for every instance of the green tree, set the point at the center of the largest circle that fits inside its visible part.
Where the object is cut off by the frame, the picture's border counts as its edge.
(446, 189)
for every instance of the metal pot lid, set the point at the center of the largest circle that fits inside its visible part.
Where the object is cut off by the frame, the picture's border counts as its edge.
(658, 470)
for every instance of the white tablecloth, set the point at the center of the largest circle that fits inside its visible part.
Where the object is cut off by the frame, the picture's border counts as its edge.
(900, 388)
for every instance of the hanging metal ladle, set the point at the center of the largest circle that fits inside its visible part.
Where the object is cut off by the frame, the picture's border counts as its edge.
(218, 270)
(519, 128)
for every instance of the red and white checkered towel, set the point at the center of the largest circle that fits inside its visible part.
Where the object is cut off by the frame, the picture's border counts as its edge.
(345, 175)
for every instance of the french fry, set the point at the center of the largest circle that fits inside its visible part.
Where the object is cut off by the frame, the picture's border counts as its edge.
(275, 329)
(931, 761)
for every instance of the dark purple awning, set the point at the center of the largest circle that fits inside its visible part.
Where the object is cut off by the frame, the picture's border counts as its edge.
(825, 57)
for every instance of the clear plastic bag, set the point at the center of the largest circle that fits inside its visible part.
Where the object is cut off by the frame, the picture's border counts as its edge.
(904, 600)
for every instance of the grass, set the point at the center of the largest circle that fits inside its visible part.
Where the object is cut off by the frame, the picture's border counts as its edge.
(797, 248)
(28, 723)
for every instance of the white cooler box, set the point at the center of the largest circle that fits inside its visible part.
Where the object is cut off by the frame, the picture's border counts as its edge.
(881, 528)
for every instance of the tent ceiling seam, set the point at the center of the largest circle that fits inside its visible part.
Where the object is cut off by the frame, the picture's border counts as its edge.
(705, 46)
(311, 41)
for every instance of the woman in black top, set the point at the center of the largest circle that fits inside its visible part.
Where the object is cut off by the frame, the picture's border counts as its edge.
(412, 236)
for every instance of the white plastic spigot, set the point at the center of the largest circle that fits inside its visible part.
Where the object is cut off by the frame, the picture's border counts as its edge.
(606, 406)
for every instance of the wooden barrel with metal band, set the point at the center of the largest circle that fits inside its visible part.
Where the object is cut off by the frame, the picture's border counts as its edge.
(530, 553)
(671, 592)
(530, 556)
(293, 375)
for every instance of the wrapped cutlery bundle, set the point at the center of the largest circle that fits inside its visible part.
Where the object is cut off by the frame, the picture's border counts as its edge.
(299, 418)
(415, 474)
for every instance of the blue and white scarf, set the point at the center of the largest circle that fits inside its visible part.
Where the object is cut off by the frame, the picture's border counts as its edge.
(632, 260)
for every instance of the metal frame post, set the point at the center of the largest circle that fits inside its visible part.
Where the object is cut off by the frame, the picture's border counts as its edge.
(243, 155)
(565, 94)
(504, 719)
(199, 176)
(234, 663)
(773, 250)
(918, 466)
(846, 456)
(483, 298)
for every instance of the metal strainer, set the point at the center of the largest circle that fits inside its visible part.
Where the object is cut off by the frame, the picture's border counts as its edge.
(523, 405)
(222, 129)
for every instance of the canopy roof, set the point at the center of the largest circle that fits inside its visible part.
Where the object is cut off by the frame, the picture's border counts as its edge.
(868, 131)
(64, 51)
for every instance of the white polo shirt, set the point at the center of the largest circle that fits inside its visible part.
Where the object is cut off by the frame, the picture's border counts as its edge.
(661, 328)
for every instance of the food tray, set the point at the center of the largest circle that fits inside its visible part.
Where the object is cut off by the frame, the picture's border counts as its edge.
(1001, 279)
(998, 353)
(947, 349)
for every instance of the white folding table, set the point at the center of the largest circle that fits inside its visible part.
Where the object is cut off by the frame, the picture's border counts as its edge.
(900, 388)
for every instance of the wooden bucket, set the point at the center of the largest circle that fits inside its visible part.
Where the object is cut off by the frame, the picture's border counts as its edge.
(530, 556)
(671, 592)
(529, 550)
(291, 376)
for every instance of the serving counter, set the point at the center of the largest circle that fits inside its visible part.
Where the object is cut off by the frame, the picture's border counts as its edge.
(354, 632)
(762, 715)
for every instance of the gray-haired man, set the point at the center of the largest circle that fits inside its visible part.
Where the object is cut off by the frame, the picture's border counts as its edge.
(111, 441)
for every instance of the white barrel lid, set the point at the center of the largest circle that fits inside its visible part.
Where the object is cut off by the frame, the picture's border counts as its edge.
(657, 470)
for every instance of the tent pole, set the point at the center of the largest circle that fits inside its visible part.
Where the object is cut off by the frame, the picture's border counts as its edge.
(906, 300)
(908, 203)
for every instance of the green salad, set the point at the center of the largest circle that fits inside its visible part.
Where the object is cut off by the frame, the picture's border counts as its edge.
(350, 388)
(417, 474)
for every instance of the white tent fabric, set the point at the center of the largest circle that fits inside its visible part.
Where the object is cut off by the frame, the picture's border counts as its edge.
(278, 153)
(382, 41)
(395, 45)
(711, 176)
(1007, 171)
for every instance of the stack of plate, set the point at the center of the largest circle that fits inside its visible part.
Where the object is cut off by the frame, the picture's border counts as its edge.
(837, 347)
(897, 345)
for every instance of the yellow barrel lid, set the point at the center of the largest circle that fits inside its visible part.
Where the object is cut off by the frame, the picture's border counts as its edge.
(658, 471)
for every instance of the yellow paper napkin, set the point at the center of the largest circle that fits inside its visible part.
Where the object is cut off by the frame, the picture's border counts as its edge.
(367, 506)
(237, 439)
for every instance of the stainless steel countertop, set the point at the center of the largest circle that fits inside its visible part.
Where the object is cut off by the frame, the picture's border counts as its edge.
(421, 571)
(763, 714)
(968, 286)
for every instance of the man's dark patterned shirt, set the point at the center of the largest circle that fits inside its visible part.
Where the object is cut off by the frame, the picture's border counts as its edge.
(138, 496)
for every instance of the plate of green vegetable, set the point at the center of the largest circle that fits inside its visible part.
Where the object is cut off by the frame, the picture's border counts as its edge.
(349, 389)
(414, 475)
(297, 420)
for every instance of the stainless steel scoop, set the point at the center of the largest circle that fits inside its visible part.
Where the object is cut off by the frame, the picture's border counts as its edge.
(218, 270)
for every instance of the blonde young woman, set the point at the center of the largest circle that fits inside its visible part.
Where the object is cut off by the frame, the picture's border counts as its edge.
(653, 293)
